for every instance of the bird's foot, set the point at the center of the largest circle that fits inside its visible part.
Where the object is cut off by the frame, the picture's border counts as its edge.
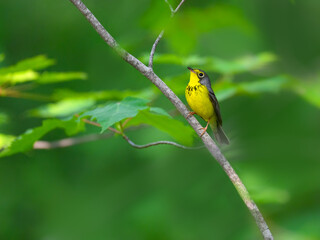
(191, 114)
(204, 130)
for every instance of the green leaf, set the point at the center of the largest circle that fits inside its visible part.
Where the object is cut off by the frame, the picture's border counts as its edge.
(35, 63)
(239, 65)
(1, 57)
(243, 64)
(112, 113)
(225, 90)
(272, 85)
(226, 93)
(47, 77)
(62, 108)
(160, 111)
(309, 90)
(53, 77)
(5, 140)
(147, 93)
(25, 142)
(19, 77)
(270, 195)
(175, 128)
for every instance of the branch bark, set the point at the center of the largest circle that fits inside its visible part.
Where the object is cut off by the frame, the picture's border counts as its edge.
(67, 142)
(207, 140)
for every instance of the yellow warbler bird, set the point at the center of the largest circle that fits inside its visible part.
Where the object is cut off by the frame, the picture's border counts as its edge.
(204, 103)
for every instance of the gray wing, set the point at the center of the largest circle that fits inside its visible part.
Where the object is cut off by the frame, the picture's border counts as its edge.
(206, 82)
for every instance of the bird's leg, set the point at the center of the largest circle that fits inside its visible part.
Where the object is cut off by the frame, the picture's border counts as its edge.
(205, 128)
(191, 114)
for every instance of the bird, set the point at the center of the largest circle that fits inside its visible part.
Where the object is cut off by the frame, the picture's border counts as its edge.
(203, 102)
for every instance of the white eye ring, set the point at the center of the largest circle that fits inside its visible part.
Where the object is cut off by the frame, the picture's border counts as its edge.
(201, 74)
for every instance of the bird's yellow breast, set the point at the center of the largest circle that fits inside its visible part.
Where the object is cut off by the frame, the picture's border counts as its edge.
(198, 99)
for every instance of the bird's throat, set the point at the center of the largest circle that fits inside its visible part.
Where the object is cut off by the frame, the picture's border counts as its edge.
(194, 80)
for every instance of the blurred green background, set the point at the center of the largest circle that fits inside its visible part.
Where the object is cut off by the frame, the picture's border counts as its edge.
(109, 190)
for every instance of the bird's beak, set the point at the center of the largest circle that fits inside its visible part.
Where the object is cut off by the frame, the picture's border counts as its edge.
(191, 70)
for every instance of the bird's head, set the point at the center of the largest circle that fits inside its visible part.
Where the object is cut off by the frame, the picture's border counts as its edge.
(197, 76)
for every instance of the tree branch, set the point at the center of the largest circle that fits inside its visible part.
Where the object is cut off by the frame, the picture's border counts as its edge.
(154, 46)
(207, 140)
(67, 142)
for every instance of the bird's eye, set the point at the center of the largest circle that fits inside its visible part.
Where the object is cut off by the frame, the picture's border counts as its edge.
(200, 74)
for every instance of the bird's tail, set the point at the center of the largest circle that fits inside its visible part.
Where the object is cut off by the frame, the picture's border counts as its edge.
(219, 134)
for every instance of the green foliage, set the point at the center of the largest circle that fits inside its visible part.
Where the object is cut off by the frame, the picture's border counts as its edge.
(139, 113)
(54, 77)
(227, 90)
(240, 65)
(147, 93)
(188, 25)
(160, 120)
(5, 140)
(112, 113)
(63, 108)
(28, 70)
(309, 90)
(25, 142)
(35, 63)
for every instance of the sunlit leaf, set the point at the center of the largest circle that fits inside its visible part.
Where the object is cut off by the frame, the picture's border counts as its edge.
(35, 63)
(147, 93)
(239, 65)
(160, 111)
(225, 90)
(270, 195)
(114, 112)
(244, 64)
(63, 108)
(25, 142)
(309, 90)
(263, 191)
(5, 140)
(272, 85)
(53, 77)
(175, 128)
(226, 93)
(19, 77)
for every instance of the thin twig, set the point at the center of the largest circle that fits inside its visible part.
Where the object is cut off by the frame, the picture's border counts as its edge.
(153, 49)
(177, 8)
(154, 46)
(207, 140)
(97, 124)
(159, 143)
(91, 122)
(171, 8)
(67, 142)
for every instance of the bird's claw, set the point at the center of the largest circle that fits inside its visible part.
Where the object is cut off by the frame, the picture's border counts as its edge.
(204, 130)
(191, 114)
